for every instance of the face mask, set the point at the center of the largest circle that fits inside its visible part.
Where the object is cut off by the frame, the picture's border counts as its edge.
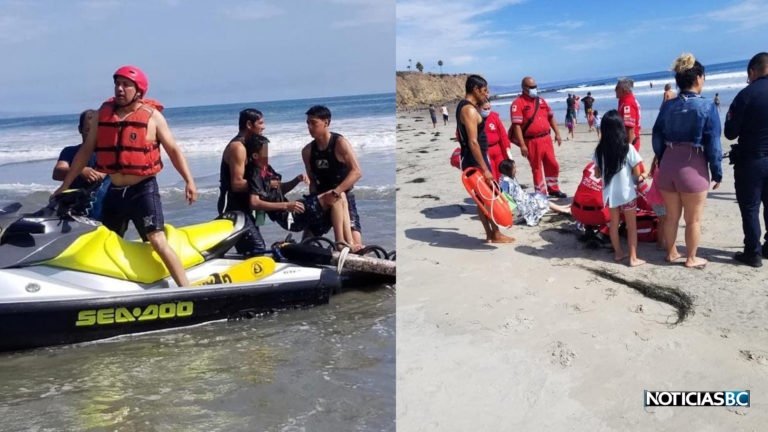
(533, 92)
(485, 113)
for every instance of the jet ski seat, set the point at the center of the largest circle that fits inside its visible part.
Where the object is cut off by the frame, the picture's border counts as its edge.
(103, 252)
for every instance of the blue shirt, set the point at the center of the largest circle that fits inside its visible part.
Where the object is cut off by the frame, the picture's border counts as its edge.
(690, 118)
(747, 117)
(68, 155)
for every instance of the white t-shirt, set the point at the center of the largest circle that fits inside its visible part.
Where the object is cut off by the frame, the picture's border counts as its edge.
(445, 110)
(621, 189)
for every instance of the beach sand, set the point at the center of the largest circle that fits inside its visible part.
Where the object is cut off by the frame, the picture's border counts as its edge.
(526, 337)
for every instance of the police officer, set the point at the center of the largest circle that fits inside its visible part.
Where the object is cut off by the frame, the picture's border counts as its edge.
(747, 119)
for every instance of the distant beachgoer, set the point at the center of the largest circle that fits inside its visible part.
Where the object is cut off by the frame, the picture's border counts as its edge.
(530, 206)
(570, 108)
(569, 124)
(433, 115)
(127, 136)
(619, 166)
(576, 108)
(686, 138)
(470, 129)
(588, 102)
(746, 121)
(496, 134)
(651, 83)
(332, 166)
(444, 110)
(629, 110)
(716, 100)
(669, 94)
(532, 120)
(597, 123)
(233, 184)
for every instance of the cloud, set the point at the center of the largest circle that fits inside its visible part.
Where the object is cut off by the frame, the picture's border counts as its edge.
(748, 14)
(595, 42)
(252, 11)
(451, 30)
(15, 29)
(98, 10)
(365, 12)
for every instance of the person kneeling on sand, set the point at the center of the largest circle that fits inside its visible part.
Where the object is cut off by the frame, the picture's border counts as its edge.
(310, 213)
(531, 206)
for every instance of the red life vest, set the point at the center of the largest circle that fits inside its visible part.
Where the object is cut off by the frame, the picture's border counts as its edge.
(588, 207)
(122, 146)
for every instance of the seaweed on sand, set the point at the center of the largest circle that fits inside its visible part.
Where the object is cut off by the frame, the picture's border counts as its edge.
(678, 299)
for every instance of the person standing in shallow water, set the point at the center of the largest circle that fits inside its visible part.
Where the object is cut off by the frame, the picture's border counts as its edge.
(134, 194)
(233, 184)
(470, 129)
(686, 139)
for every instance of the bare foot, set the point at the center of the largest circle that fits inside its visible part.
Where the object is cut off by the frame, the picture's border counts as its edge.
(500, 238)
(672, 257)
(618, 257)
(636, 262)
(696, 262)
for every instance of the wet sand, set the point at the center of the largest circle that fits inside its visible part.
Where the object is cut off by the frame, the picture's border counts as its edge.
(547, 334)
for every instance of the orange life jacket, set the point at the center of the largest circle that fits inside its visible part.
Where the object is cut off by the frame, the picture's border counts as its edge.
(122, 146)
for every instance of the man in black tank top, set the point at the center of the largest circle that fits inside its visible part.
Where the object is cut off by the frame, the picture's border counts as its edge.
(331, 166)
(233, 186)
(470, 128)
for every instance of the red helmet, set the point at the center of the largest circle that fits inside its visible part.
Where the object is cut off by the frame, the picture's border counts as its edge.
(136, 75)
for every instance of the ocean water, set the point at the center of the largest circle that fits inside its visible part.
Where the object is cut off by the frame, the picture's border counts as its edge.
(326, 368)
(727, 79)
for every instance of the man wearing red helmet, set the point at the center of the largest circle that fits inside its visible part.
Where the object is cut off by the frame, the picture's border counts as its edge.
(127, 136)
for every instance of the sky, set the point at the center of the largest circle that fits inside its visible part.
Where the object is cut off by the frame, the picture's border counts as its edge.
(59, 56)
(555, 40)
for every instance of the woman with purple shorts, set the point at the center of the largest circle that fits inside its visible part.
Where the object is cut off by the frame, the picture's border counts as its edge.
(686, 139)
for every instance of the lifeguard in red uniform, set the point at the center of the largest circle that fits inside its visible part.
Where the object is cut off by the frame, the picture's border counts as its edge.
(531, 121)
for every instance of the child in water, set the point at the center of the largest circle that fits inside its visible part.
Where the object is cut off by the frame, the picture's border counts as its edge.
(619, 165)
(530, 206)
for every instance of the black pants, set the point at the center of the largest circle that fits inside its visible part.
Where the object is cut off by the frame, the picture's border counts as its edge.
(751, 176)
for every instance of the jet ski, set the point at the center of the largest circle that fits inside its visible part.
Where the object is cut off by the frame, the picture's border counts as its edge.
(65, 279)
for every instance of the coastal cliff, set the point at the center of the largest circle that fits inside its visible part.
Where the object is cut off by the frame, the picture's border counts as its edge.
(417, 90)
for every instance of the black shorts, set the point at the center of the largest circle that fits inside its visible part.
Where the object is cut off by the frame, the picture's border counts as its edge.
(251, 243)
(139, 203)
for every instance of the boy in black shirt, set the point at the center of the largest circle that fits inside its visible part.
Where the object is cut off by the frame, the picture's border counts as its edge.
(308, 214)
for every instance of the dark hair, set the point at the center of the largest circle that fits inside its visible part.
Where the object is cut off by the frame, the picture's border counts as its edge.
(759, 63)
(687, 69)
(83, 115)
(319, 111)
(249, 115)
(611, 151)
(505, 167)
(473, 82)
(254, 144)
